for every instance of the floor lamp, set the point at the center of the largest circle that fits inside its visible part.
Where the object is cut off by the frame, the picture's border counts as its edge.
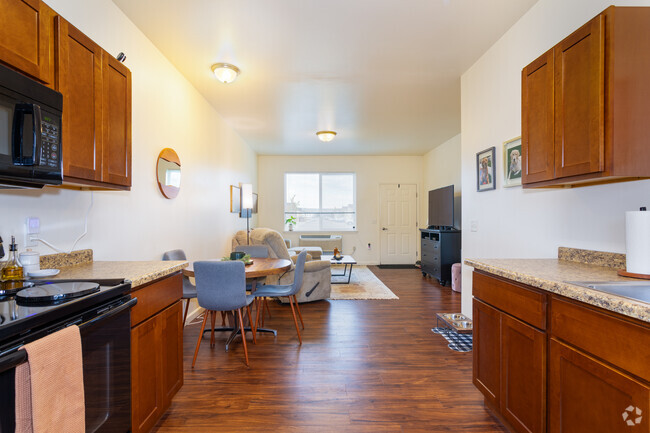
(247, 206)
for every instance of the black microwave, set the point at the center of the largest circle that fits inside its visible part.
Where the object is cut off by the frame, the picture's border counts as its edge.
(30, 132)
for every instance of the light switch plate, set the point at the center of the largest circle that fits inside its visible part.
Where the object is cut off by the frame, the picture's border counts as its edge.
(32, 229)
(473, 225)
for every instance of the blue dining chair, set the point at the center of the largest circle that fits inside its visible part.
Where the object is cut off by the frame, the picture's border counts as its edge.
(261, 251)
(289, 291)
(189, 290)
(221, 286)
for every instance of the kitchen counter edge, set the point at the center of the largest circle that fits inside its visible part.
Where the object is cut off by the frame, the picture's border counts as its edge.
(551, 275)
(136, 272)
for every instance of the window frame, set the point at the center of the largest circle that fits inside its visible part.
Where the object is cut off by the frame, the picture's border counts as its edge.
(320, 201)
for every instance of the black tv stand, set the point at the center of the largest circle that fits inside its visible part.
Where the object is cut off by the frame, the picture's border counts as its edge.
(440, 250)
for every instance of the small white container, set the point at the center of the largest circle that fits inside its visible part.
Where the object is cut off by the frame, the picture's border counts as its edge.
(30, 261)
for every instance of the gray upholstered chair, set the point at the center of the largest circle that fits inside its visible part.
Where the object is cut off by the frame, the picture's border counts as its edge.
(221, 286)
(253, 250)
(256, 251)
(317, 279)
(189, 290)
(288, 291)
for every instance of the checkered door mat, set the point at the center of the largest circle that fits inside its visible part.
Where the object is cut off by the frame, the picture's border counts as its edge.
(457, 342)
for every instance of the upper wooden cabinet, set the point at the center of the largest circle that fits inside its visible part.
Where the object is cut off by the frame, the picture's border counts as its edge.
(27, 38)
(96, 90)
(585, 101)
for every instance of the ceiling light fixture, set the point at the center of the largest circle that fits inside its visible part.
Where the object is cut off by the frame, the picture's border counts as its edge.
(326, 136)
(225, 72)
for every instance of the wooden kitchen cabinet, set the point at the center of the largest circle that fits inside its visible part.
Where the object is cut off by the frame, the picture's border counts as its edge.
(487, 352)
(585, 101)
(27, 38)
(578, 374)
(80, 82)
(96, 92)
(146, 371)
(509, 354)
(157, 350)
(587, 395)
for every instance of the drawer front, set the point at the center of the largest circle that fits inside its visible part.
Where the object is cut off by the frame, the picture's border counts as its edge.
(525, 304)
(155, 297)
(620, 342)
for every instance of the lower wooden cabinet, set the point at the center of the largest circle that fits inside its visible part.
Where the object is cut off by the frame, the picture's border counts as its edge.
(156, 351)
(586, 395)
(509, 359)
(523, 375)
(146, 368)
(588, 372)
(487, 356)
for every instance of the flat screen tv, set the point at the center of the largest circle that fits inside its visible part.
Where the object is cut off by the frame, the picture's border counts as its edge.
(441, 207)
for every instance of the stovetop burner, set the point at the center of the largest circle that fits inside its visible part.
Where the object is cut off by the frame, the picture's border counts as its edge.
(12, 287)
(55, 293)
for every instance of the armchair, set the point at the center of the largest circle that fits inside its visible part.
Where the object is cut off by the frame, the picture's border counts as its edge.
(317, 277)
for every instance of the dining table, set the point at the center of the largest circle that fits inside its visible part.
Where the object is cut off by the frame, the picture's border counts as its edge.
(259, 267)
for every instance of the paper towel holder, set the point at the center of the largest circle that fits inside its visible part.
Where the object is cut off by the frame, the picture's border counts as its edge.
(624, 273)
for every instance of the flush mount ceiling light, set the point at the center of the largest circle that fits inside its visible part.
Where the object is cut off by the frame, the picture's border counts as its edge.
(225, 72)
(326, 135)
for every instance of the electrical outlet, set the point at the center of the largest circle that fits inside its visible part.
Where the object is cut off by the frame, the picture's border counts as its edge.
(369, 246)
(32, 229)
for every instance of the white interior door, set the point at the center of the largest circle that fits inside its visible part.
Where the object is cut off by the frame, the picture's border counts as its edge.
(398, 223)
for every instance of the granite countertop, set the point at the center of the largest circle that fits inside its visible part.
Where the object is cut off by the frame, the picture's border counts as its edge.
(138, 273)
(552, 275)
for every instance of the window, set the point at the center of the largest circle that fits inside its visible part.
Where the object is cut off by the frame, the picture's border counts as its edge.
(321, 201)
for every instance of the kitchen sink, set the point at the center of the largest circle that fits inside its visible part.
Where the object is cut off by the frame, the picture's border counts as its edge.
(637, 290)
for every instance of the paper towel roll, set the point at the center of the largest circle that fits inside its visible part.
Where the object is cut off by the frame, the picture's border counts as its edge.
(637, 242)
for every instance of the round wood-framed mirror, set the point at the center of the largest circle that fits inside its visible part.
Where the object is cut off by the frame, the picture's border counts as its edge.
(168, 172)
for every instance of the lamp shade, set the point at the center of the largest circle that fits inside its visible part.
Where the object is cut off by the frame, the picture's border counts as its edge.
(247, 196)
(225, 72)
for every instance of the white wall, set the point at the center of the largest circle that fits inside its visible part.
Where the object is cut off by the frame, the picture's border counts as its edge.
(371, 172)
(513, 222)
(167, 112)
(442, 168)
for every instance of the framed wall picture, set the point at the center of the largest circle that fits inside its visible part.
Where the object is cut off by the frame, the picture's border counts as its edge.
(485, 163)
(235, 199)
(255, 197)
(512, 162)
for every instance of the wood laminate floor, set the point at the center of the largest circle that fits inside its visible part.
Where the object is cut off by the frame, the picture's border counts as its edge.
(364, 366)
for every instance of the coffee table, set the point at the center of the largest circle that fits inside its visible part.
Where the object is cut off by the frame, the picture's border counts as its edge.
(345, 260)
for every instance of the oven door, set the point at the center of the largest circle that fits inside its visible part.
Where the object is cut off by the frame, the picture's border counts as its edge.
(106, 342)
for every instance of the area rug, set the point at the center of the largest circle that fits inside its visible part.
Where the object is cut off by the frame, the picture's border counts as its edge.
(457, 342)
(363, 285)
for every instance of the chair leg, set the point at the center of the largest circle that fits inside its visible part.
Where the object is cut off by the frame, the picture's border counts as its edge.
(198, 343)
(223, 318)
(187, 306)
(295, 300)
(243, 335)
(293, 311)
(268, 310)
(213, 316)
(257, 311)
(250, 320)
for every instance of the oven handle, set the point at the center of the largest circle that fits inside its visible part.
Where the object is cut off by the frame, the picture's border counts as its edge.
(110, 313)
(13, 358)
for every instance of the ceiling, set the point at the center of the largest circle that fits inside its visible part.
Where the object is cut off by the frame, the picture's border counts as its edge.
(384, 74)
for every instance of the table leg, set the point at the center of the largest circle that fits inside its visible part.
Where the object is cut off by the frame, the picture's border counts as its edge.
(344, 274)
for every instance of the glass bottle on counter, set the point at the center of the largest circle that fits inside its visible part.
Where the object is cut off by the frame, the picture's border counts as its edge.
(12, 270)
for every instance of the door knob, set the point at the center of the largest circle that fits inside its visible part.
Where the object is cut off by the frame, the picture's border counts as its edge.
(384, 228)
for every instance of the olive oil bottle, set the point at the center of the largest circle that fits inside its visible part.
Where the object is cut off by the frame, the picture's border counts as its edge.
(12, 270)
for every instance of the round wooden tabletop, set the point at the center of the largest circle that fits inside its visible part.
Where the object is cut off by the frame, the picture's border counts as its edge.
(261, 267)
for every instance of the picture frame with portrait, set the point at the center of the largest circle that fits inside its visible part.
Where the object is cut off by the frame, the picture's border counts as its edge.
(485, 170)
(512, 165)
